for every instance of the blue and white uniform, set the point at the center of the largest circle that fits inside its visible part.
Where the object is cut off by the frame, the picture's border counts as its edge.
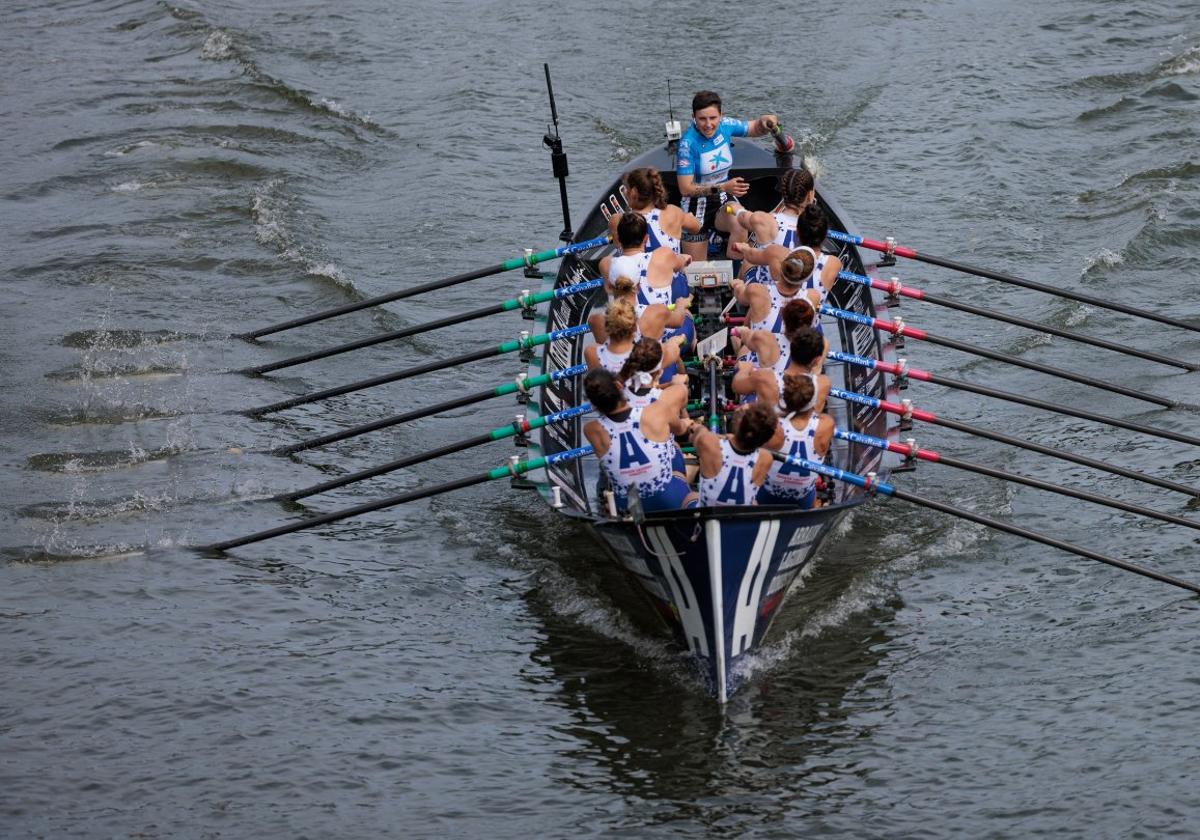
(788, 484)
(785, 235)
(610, 361)
(773, 320)
(733, 484)
(633, 266)
(814, 279)
(634, 459)
(658, 238)
(637, 402)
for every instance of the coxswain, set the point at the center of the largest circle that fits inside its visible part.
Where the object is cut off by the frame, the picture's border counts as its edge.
(804, 432)
(635, 446)
(733, 467)
(703, 160)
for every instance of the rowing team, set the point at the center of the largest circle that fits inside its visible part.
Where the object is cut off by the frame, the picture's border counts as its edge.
(646, 330)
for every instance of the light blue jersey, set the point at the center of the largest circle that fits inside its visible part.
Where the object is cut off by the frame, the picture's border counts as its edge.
(709, 159)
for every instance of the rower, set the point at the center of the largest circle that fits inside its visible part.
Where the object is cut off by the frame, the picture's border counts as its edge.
(797, 191)
(812, 226)
(806, 357)
(647, 196)
(764, 301)
(654, 274)
(651, 321)
(733, 467)
(648, 364)
(619, 330)
(635, 445)
(803, 433)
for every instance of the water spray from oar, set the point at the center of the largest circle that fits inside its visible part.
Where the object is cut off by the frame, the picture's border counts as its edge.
(529, 259)
(911, 452)
(521, 385)
(520, 426)
(895, 287)
(526, 301)
(909, 412)
(904, 370)
(870, 484)
(892, 249)
(898, 327)
(525, 342)
(504, 471)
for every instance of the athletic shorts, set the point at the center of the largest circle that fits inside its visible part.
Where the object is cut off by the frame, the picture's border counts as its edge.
(704, 208)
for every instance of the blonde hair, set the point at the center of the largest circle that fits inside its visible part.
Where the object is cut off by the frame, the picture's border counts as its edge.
(620, 320)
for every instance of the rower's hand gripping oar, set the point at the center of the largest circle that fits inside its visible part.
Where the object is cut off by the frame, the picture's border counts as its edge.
(895, 287)
(891, 248)
(508, 265)
(524, 301)
(504, 471)
(525, 342)
(871, 484)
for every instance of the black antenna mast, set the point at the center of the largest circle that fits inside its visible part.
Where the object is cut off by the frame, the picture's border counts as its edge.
(558, 160)
(674, 130)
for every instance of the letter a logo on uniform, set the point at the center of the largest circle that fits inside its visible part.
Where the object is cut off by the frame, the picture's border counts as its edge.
(734, 491)
(631, 453)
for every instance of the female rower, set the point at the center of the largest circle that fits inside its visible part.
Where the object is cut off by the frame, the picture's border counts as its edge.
(765, 301)
(806, 357)
(635, 445)
(647, 196)
(797, 191)
(804, 433)
(641, 375)
(704, 158)
(620, 328)
(733, 467)
(651, 321)
(654, 273)
(812, 226)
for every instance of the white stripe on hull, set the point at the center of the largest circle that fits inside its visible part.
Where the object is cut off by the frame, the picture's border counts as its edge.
(682, 594)
(750, 591)
(712, 533)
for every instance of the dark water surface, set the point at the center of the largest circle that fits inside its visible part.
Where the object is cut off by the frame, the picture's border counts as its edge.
(175, 173)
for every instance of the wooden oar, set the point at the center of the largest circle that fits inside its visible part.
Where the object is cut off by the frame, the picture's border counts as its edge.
(873, 485)
(909, 411)
(525, 300)
(391, 501)
(499, 433)
(910, 450)
(900, 328)
(523, 343)
(508, 265)
(521, 383)
(895, 287)
(958, 384)
(909, 253)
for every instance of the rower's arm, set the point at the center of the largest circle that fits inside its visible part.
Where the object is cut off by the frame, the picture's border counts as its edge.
(597, 437)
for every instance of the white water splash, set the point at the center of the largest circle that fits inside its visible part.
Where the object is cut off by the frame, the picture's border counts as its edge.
(218, 46)
(1106, 258)
(1184, 64)
(132, 186)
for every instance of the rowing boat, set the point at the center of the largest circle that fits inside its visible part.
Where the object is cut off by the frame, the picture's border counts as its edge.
(717, 576)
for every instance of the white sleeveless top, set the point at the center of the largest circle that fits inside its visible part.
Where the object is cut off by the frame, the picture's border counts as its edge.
(785, 230)
(610, 361)
(633, 459)
(773, 320)
(639, 401)
(814, 280)
(732, 485)
(786, 479)
(633, 266)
